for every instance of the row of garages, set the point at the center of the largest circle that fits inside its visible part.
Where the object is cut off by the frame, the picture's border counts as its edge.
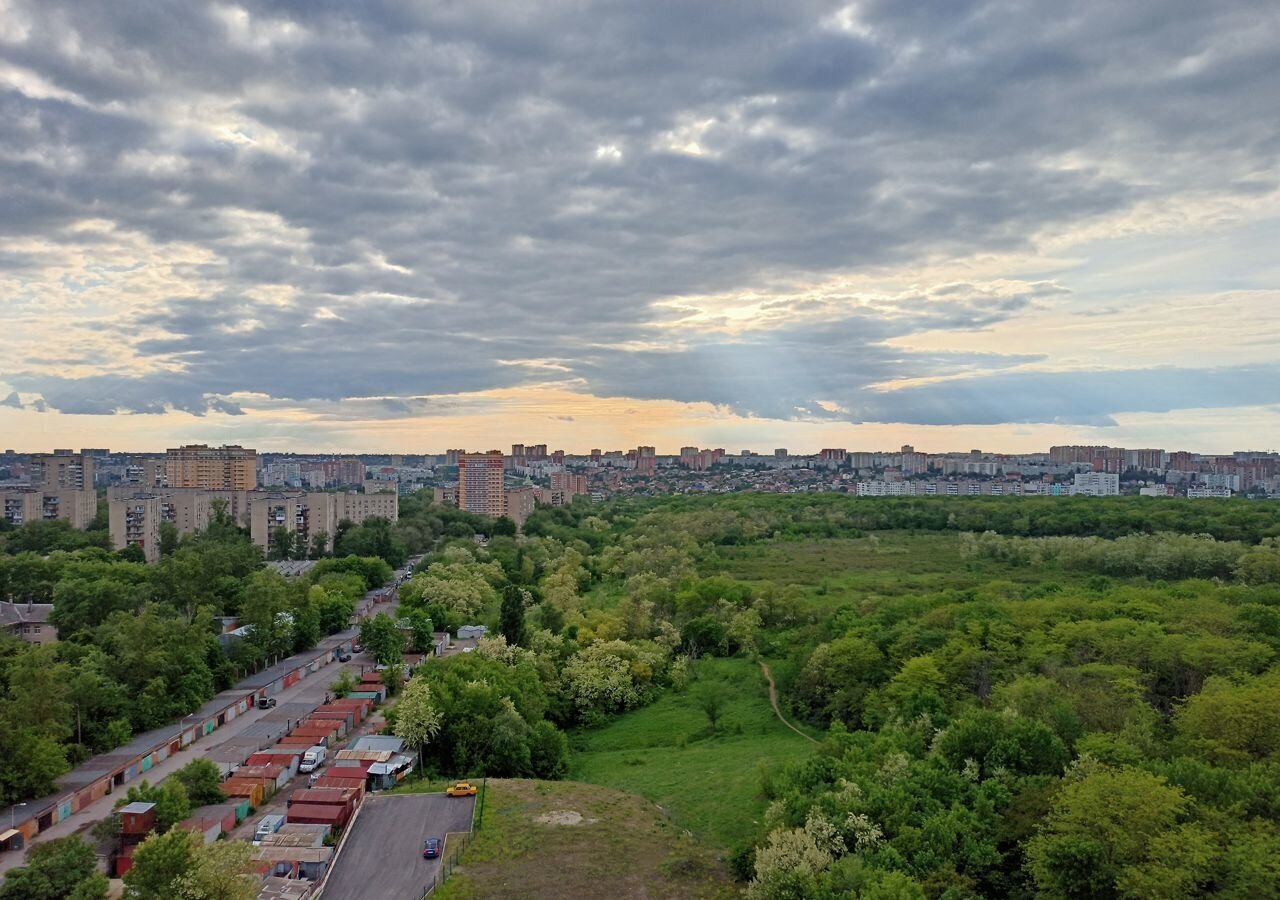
(102, 775)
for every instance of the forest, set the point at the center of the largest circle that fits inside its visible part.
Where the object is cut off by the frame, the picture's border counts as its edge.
(1013, 699)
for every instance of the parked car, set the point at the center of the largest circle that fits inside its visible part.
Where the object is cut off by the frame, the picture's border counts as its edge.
(357, 648)
(344, 656)
(266, 702)
(431, 848)
(461, 789)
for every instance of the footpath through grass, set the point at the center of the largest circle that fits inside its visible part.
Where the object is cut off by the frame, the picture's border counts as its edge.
(710, 784)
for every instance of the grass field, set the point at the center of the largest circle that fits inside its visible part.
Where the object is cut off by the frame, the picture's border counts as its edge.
(709, 784)
(834, 571)
(554, 839)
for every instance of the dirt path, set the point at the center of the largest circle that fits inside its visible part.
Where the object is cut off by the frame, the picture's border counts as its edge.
(773, 701)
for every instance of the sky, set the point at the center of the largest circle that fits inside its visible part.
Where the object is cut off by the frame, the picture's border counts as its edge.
(411, 226)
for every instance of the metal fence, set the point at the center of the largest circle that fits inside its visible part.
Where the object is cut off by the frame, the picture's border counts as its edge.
(456, 842)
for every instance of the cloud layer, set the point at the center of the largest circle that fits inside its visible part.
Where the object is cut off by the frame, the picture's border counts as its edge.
(213, 207)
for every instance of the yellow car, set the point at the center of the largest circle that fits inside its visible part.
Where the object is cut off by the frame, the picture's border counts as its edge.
(461, 789)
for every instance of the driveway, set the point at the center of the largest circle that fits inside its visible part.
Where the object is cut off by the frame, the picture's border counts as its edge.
(381, 858)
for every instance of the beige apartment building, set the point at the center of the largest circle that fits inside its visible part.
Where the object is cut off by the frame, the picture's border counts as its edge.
(22, 505)
(520, 504)
(309, 514)
(227, 468)
(482, 484)
(135, 521)
(62, 470)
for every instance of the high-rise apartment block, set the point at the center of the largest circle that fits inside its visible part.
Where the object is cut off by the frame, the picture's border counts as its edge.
(227, 468)
(62, 470)
(308, 515)
(135, 522)
(520, 503)
(1097, 484)
(481, 483)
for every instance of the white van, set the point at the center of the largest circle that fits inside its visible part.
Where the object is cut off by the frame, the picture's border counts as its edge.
(268, 825)
(313, 759)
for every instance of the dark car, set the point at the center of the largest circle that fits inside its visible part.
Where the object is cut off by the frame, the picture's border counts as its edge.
(344, 656)
(431, 848)
(266, 702)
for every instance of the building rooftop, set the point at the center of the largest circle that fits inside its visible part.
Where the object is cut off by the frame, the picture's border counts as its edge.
(24, 613)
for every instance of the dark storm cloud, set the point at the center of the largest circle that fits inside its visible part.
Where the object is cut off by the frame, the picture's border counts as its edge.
(458, 192)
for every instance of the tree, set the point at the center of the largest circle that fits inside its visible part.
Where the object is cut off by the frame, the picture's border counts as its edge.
(54, 870)
(512, 617)
(170, 797)
(319, 545)
(169, 538)
(417, 719)
(223, 870)
(1100, 829)
(159, 863)
(711, 697)
(282, 542)
(202, 781)
(381, 637)
(344, 684)
(548, 751)
(509, 753)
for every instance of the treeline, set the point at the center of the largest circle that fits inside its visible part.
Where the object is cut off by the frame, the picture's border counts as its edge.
(742, 518)
(1161, 556)
(138, 645)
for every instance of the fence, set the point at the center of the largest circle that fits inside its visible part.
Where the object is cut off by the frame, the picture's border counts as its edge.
(456, 842)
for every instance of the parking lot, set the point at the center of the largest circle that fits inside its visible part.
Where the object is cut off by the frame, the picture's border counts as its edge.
(381, 858)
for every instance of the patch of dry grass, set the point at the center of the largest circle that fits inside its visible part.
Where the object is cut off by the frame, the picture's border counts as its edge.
(622, 847)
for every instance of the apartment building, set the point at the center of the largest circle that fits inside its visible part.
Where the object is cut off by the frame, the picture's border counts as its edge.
(61, 470)
(135, 522)
(384, 504)
(1096, 484)
(76, 506)
(22, 505)
(227, 468)
(309, 514)
(147, 472)
(481, 482)
(520, 503)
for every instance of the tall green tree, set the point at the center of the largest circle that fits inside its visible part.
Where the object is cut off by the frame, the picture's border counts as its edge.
(511, 622)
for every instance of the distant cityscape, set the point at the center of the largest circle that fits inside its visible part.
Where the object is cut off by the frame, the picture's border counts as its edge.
(311, 494)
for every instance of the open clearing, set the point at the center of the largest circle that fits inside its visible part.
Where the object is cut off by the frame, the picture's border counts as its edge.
(555, 839)
(710, 785)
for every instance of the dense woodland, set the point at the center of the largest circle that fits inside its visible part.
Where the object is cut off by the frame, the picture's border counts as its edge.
(1084, 702)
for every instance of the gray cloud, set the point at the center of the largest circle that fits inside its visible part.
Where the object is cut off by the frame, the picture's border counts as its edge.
(13, 400)
(457, 193)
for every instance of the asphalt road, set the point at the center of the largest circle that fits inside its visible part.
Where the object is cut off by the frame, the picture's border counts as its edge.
(381, 858)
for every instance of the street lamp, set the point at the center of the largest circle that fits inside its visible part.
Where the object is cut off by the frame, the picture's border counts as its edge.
(12, 812)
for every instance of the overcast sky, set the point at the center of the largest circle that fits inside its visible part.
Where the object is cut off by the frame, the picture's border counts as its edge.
(419, 225)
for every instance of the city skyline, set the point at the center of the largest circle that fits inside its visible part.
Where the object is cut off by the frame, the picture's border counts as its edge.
(812, 224)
